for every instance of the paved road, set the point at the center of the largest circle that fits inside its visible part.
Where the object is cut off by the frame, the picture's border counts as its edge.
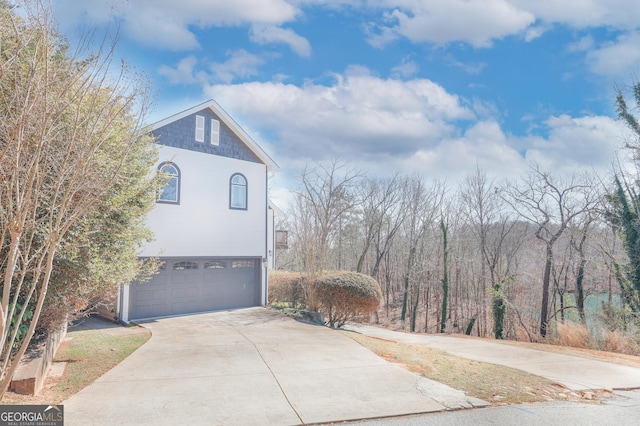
(253, 366)
(623, 409)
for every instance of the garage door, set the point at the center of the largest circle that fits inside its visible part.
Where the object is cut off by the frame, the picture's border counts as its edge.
(185, 286)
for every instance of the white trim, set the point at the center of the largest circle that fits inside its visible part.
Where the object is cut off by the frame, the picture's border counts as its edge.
(215, 132)
(277, 212)
(124, 307)
(199, 128)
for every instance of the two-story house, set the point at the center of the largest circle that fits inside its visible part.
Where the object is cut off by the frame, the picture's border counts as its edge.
(213, 222)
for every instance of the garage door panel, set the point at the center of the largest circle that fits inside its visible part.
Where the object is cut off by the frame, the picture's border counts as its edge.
(178, 293)
(193, 292)
(152, 310)
(196, 285)
(185, 307)
(151, 294)
(208, 292)
(183, 279)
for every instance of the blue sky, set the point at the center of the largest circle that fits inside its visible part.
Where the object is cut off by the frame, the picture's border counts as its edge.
(431, 86)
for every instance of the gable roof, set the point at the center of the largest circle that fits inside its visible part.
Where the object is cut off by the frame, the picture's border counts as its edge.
(230, 122)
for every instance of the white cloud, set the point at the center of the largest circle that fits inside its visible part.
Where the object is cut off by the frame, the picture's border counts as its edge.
(481, 22)
(157, 30)
(616, 58)
(621, 14)
(535, 31)
(379, 36)
(477, 22)
(411, 126)
(360, 115)
(470, 68)
(407, 68)
(415, 125)
(166, 24)
(584, 44)
(241, 64)
(484, 144)
(183, 73)
(590, 142)
(265, 34)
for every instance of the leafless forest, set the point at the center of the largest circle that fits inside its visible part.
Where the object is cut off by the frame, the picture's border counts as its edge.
(485, 257)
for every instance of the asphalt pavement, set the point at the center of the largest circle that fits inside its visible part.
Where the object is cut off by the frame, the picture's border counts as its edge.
(621, 409)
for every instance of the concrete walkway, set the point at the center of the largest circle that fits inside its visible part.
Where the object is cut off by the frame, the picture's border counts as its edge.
(575, 373)
(253, 366)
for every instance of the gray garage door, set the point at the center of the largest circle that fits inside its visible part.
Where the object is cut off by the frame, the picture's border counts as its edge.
(185, 286)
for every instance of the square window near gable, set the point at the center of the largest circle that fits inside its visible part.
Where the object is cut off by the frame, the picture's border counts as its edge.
(199, 128)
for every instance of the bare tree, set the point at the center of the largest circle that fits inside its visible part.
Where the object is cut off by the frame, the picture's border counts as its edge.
(579, 235)
(325, 196)
(480, 205)
(551, 204)
(498, 237)
(382, 213)
(423, 205)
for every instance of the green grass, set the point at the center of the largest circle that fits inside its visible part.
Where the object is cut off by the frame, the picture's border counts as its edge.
(88, 355)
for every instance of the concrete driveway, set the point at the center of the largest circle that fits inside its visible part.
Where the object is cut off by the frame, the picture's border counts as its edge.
(571, 371)
(253, 366)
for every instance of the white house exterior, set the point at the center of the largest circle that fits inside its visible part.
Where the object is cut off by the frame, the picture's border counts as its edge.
(213, 223)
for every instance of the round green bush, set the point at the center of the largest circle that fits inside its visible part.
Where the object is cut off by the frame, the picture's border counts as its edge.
(345, 296)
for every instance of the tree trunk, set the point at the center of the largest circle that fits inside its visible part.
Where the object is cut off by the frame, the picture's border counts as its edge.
(580, 290)
(544, 310)
(499, 308)
(414, 314)
(405, 296)
(445, 280)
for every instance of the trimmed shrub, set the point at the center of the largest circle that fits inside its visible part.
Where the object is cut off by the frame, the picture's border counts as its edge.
(287, 288)
(345, 296)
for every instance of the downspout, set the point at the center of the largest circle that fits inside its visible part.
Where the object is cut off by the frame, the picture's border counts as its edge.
(265, 293)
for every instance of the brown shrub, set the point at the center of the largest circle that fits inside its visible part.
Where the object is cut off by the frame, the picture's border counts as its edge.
(287, 287)
(573, 335)
(578, 336)
(344, 296)
(615, 341)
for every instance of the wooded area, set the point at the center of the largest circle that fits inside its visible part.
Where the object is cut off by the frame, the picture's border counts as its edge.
(509, 259)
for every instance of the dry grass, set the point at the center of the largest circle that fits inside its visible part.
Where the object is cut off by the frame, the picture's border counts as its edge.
(573, 335)
(88, 355)
(615, 341)
(578, 336)
(496, 384)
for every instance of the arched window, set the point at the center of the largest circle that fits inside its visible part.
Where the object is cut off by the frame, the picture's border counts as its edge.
(171, 192)
(238, 192)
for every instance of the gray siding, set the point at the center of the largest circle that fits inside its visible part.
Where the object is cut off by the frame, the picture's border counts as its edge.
(181, 134)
